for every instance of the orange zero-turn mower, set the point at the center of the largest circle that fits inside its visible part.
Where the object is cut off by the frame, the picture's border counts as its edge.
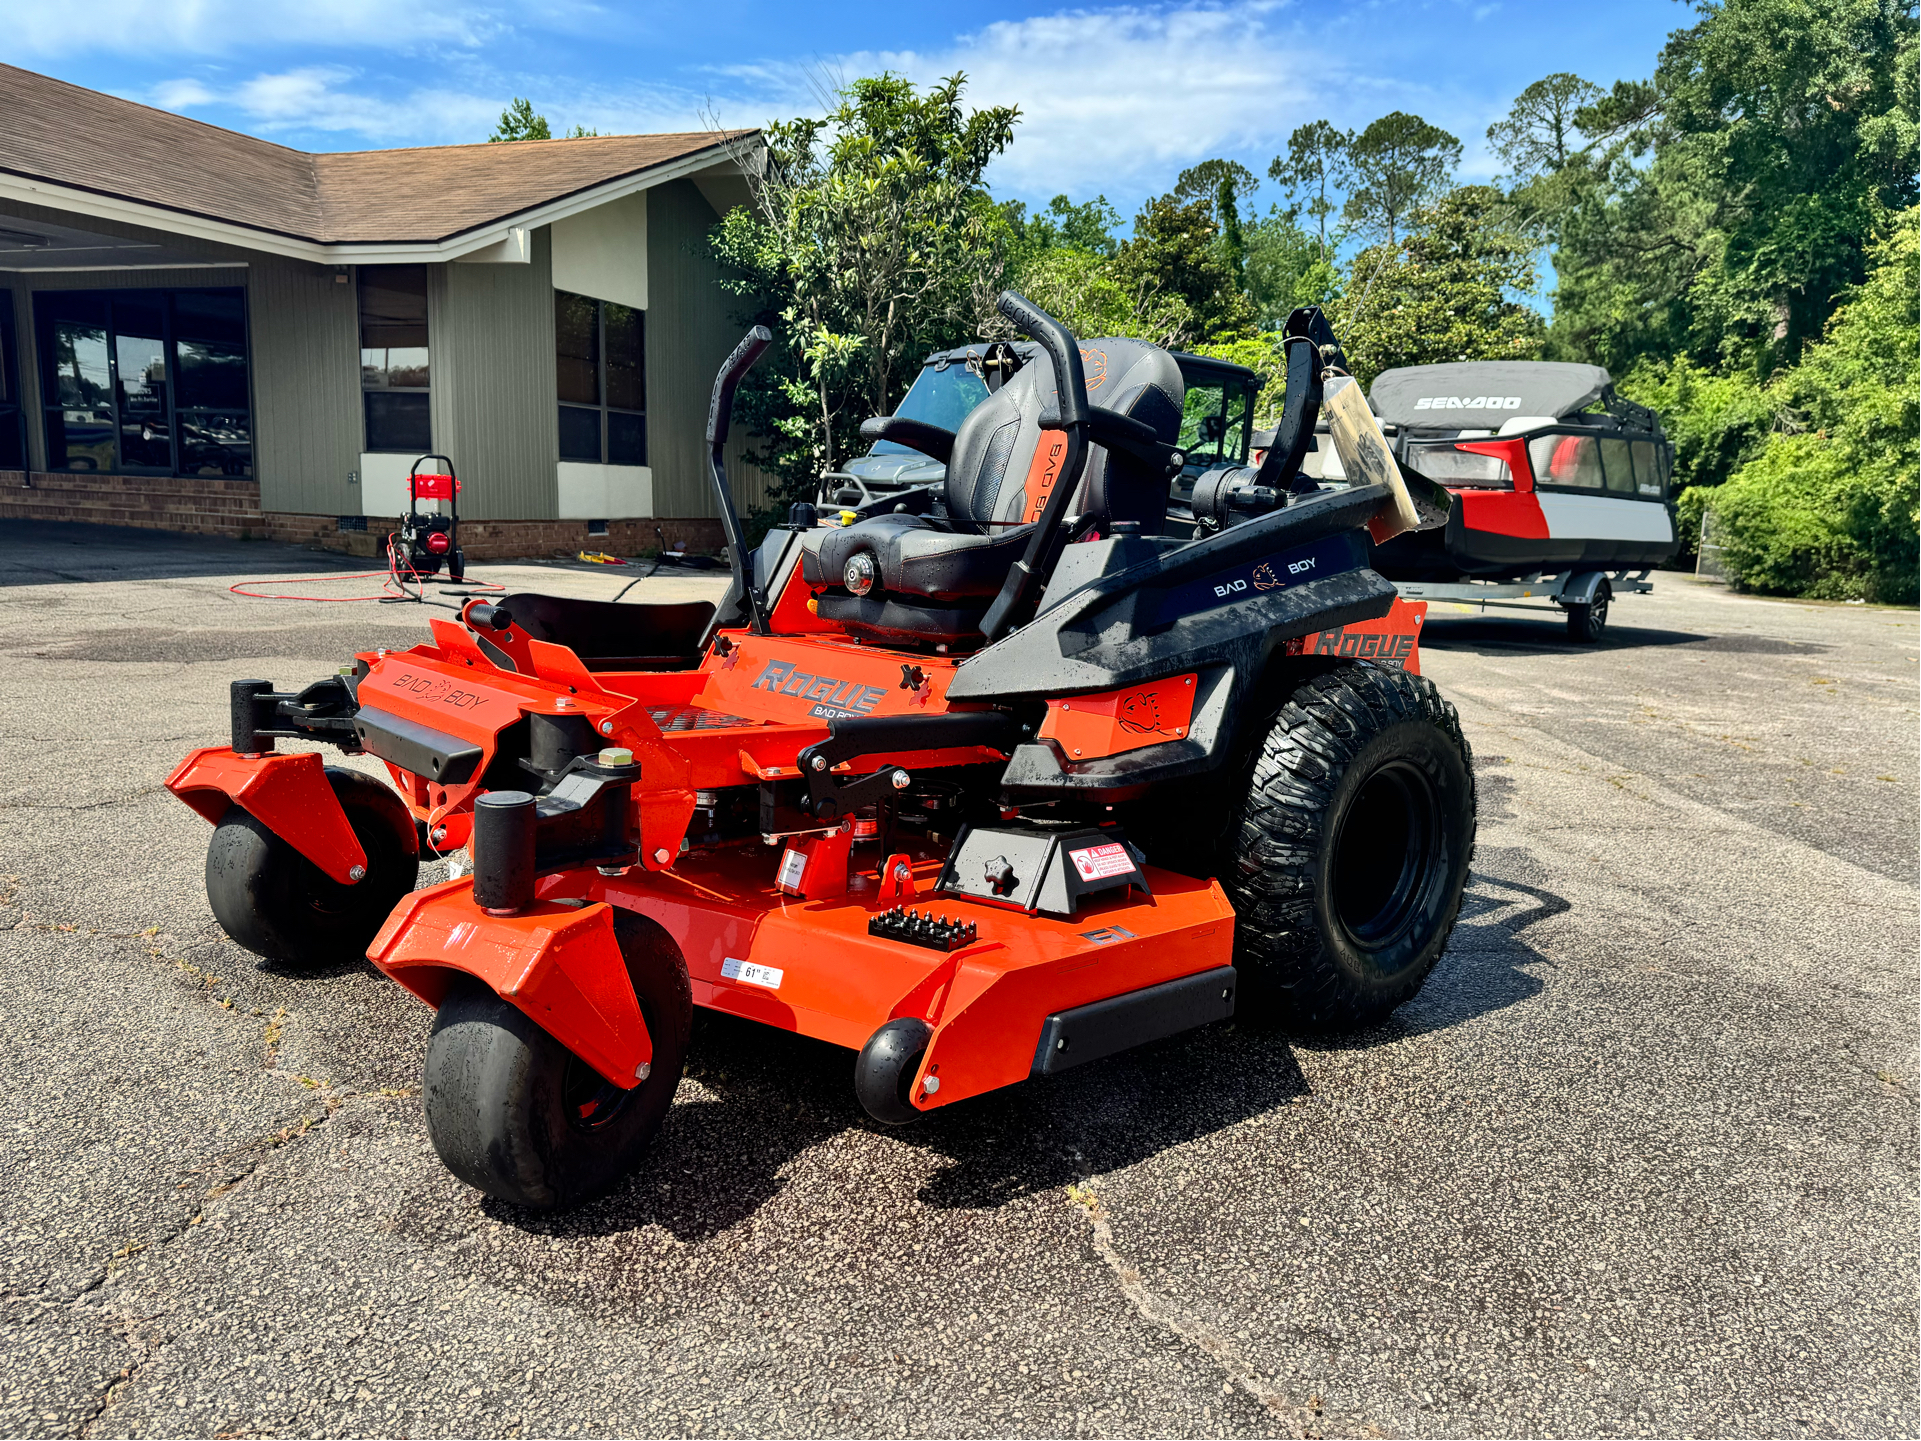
(1008, 775)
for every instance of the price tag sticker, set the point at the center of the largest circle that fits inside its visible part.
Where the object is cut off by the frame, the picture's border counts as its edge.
(750, 974)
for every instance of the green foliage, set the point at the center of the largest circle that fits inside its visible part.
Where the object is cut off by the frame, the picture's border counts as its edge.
(1828, 508)
(1174, 254)
(1087, 226)
(1080, 289)
(1221, 185)
(1716, 422)
(1719, 209)
(1311, 172)
(1445, 292)
(518, 122)
(872, 241)
(1286, 268)
(1392, 168)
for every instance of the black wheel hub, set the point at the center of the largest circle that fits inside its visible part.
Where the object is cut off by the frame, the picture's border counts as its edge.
(589, 1101)
(1386, 855)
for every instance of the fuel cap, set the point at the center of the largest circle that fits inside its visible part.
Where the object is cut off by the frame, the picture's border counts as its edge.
(861, 573)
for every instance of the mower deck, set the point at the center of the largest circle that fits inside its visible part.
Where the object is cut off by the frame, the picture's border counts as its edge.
(812, 967)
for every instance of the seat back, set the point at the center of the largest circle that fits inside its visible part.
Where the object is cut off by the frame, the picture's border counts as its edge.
(994, 452)
(1000, 471)
(1143, 382)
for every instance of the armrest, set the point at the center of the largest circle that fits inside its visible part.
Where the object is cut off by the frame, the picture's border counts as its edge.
(1111, 429)
(915, 434)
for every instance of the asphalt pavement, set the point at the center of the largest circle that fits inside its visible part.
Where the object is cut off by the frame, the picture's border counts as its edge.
(1639, 1160)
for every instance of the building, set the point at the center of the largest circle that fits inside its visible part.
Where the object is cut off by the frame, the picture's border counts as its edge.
(207, 332)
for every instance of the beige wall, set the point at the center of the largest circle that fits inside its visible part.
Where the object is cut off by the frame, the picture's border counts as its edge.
(603, 252)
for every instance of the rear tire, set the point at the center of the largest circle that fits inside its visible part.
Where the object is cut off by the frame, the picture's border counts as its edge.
(1350, 850)
(1586, 622)
(515, 1114)
(280, 905)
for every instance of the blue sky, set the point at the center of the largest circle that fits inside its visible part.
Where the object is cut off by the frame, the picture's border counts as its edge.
(1117, 98)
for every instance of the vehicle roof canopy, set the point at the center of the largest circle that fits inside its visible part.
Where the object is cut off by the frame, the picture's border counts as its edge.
(1484, 392)
(1191, 365)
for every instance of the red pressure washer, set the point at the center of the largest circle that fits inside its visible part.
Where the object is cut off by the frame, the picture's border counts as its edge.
(431, 539)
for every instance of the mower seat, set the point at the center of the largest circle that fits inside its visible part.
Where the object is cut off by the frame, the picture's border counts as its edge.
(933, 578)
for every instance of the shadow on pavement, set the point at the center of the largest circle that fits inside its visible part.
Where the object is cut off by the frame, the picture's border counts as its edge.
(1496, 635)
(47, 552)
(774, 1095)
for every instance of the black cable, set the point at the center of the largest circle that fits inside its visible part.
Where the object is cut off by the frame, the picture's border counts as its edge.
(659, 555)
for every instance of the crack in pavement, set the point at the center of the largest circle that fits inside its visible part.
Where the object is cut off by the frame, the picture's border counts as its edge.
(1300, 1420)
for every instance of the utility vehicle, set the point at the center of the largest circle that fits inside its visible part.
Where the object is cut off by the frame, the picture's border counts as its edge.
(979, 785)
(1217, 420)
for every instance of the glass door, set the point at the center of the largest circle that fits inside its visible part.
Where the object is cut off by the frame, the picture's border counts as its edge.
(140, 382)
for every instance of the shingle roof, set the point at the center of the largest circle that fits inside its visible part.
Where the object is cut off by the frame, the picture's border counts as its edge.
(79, 138)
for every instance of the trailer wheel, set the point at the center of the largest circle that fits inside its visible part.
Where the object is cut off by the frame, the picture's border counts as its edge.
(1350, 849)
(515, 1114)
(1586, 622)
(280, 905)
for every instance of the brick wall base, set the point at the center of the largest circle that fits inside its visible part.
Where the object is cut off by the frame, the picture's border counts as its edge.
(195, 505)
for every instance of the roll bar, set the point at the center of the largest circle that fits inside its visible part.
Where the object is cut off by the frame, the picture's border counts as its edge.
(1023, 586)
(720, 413)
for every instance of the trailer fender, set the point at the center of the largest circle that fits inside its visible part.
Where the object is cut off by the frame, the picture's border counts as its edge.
(1582, 587)
(292, 795)
(560, 964)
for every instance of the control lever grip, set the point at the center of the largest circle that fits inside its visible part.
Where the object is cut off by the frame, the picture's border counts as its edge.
(1070, 381)
(720, 412)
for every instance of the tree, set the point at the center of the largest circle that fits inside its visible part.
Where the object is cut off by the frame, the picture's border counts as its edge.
(1828, 507)
(519, 122)
(1444, 293)
(1286, 268)
(1541, 134)
(1221, 185)
(1392, 168)
(1088, 226)
(1175, 252)
(1316, 159)
(870, 242)
(1738, 191)
(1079, 288)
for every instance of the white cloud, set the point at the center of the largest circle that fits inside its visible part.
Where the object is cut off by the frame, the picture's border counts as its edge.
(213, 27)
(1119, 100)
(335, 100)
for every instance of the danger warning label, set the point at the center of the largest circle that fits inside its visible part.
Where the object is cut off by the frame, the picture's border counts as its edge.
(1096, 863)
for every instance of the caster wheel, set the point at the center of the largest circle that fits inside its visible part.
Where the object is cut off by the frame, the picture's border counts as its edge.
(884, 1074)
(278, 904)
(514, 1113)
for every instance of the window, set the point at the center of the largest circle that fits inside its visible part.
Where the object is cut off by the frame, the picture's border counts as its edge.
(393, 357)
(1620, 470)
(1440, 461)
(600, 372)
(1647, 475)
(1569, 461)
(145, 382)
(942, 395)
(1214, 423)
(13, 423)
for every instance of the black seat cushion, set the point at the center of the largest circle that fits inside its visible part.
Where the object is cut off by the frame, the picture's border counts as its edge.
(916, 555)
(633, 636)
(1142, 382)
